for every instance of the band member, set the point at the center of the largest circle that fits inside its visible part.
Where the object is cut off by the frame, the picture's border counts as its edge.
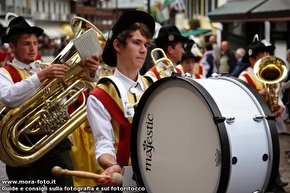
(256, 50)
(20, 81)
(110, 105)
(189, 62)
(171, 41)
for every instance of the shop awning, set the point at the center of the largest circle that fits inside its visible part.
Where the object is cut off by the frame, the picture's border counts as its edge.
(196, 32)
(251, 10)
(273, 9)
(53, 31)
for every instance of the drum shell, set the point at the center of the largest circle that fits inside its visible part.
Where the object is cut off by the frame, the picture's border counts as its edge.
(235, 157)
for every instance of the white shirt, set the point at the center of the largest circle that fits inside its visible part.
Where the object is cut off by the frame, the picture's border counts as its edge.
(13, 95)
(100, 119)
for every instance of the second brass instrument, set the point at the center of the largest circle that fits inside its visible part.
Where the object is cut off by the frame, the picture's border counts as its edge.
(158, 56)
(271, 71)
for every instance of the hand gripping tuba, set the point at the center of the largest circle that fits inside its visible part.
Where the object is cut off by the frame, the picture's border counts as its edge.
(29, 131)
(271, 70)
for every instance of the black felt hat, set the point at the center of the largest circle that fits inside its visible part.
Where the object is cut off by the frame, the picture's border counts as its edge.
(19, 25)
(169, 33)
(188, 51)
(125, 21)
(259, 46)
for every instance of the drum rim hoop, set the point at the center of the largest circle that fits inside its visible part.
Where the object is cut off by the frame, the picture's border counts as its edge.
(224, 142)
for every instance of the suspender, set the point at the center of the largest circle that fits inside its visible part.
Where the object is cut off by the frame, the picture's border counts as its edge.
(250, 81)
(13, 73)
(154, 70)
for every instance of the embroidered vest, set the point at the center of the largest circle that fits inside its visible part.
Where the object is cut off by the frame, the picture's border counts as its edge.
(109, 95)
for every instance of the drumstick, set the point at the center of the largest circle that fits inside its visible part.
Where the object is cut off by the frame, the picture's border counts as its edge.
(57, 171)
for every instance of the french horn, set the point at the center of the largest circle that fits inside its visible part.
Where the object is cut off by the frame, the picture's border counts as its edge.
(31, 130)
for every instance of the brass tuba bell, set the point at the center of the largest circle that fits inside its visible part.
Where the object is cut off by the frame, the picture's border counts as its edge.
(271, 70)
(29, 131)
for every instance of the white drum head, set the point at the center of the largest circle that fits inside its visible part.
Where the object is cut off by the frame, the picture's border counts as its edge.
(181, 141)
(178, 147)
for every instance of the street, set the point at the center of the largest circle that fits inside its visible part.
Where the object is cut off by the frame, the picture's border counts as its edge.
(284, 161)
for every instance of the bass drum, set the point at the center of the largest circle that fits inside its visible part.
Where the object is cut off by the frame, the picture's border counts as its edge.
(204, 135)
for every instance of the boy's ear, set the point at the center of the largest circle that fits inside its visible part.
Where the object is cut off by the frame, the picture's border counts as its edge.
(116, 45)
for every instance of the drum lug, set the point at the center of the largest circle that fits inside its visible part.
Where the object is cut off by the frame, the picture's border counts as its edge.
(215, 75)
(230, 120)
(218, 120)
(259, 118)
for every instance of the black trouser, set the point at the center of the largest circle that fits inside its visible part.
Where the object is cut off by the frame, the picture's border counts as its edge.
(38, 175)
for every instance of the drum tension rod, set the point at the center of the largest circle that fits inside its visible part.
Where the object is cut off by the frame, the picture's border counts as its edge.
(218, 120)
(228, 120)
(259, 118)
(175, 74)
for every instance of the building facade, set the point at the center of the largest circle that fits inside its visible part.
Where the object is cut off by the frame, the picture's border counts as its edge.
(241, 20)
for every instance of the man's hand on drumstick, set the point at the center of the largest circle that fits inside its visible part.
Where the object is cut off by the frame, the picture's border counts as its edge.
(112, 179)
(115, 172)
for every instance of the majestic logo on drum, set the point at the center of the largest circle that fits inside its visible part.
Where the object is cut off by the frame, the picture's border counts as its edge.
(148, 142)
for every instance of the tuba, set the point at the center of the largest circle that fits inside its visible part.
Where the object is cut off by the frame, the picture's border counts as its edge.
(271, 70)
(29, 131)
(157, 56)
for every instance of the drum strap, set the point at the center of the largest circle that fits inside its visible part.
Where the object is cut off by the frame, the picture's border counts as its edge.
(13, 73)
(250, 81)
(128, 109)
(116, 112)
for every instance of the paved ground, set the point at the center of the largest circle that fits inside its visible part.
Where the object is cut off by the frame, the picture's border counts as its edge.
(2, 176)
(284, 163)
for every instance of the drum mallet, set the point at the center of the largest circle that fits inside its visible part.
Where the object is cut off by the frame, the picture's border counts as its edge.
(57, 171)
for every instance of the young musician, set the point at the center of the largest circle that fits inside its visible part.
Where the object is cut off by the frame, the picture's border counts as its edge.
(171, 42)
(110, 105)
(255, 51)
(189, 62)
(20, 81)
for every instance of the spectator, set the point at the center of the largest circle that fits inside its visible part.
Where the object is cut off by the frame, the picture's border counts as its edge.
(228, 60)
(208, 61)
